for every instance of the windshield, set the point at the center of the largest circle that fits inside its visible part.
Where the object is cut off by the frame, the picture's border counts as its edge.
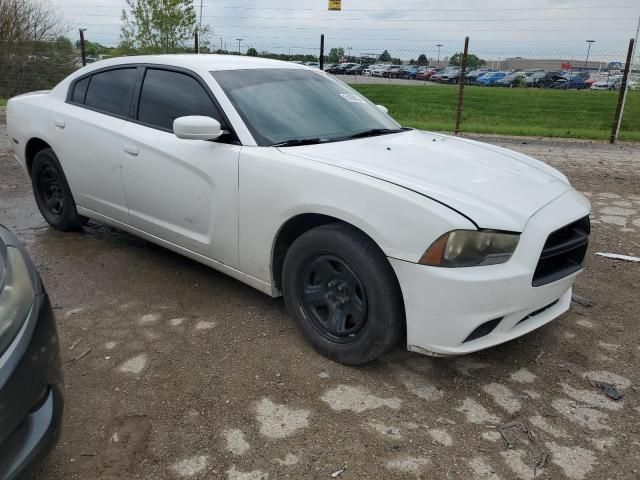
(283, 104)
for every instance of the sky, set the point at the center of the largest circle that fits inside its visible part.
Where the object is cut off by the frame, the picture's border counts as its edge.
(497, 28)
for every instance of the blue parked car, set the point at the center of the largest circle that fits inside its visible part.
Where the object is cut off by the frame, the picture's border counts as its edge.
(572, 80)
(490, 78)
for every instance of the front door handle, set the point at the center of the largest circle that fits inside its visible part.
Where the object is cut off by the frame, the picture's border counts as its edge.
(59, 123)
(131, 150)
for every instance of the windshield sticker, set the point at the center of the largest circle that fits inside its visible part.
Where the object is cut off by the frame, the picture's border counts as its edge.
(350, 97)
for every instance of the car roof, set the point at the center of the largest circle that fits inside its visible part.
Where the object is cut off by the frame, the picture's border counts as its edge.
(209, 62)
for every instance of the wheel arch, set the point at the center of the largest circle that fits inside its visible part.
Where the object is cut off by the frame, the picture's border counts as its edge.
(297, 225)
(33, 146)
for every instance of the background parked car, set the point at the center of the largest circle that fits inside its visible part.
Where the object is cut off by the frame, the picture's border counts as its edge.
(426, 73)
(473, 75)
(490, 78)
(355, 70)
(450, 75)
(378, 70)
(611, 83)
(514, 79)
(546, 79)
(572, 80)
(392, 71)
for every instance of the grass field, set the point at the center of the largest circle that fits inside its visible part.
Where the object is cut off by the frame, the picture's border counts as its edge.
(533, 112)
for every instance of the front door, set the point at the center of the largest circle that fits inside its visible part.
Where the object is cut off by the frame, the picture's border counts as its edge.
(182, 191)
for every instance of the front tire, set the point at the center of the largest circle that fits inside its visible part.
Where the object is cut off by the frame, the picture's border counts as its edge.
(342, 294)
(52, 193)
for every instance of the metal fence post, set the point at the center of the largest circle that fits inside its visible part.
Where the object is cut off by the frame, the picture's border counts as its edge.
(196, 42)
(83, 53)
(322, 51)
(461, 80)
(621, 96)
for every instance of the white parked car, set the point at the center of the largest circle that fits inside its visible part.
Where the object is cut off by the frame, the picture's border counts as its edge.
(288, 180)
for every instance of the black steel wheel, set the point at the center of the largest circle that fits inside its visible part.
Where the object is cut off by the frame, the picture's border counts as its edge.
(343, 294)
(332, 297)
(52, 193)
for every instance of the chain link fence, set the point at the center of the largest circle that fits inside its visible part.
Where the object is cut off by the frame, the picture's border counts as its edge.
(512, 90)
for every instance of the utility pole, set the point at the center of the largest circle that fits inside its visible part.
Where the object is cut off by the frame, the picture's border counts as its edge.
(439, 45)
(82, 49)
(589, 42)
(239, 40)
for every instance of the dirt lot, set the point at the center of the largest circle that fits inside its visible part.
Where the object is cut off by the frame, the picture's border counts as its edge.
(186, 373)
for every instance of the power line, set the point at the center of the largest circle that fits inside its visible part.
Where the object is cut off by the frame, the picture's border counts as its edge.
(437, 20)
(389, 10)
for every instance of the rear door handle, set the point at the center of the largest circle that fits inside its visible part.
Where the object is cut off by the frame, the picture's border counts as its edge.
(131, 150)
(59, 123)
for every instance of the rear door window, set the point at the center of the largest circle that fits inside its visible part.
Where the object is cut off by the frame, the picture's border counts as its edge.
(111, 91)
(80, 90)
(167, 95)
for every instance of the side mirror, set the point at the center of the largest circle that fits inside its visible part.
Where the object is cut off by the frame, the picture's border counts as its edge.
(382, 108)
(196, 127)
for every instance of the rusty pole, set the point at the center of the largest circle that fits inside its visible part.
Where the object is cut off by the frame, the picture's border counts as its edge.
(621, 96)
(461, 80)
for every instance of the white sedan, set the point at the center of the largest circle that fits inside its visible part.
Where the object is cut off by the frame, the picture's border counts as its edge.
(288, 180)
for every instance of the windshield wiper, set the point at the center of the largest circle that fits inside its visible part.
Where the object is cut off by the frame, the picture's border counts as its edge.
(296, 142)
(375, 132)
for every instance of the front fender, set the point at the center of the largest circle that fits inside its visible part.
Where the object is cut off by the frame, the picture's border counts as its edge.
(275, 187)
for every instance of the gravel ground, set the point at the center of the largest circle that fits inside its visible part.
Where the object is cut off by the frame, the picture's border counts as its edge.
(190, 374)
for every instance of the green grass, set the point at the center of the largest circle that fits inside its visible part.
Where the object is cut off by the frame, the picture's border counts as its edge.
(3, 102)
(528, 111)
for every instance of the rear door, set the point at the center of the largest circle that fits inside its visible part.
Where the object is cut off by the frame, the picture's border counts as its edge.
(92, 122)
(182, 191)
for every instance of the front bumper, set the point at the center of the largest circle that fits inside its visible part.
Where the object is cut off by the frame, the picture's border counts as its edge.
(31, 394)
(444, 306)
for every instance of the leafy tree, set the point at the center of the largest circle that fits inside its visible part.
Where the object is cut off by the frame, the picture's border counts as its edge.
(34, 53)
(472, 60)
(385, 56)
(252, 52)
(335, 54)
(423, 60)
(159, 26)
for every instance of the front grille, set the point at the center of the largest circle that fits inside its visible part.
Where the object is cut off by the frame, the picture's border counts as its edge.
(563, 252)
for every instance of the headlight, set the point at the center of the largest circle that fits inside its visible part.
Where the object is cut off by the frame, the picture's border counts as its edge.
(16, 295)
(470, 248)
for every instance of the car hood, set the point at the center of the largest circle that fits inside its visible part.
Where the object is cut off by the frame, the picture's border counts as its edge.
(494, 187)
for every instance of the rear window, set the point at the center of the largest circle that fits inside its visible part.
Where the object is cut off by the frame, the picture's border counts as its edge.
(111, 91)
(80, 90)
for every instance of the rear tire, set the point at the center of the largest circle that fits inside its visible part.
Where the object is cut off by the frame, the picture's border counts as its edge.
(342, 294)
(52, 193)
